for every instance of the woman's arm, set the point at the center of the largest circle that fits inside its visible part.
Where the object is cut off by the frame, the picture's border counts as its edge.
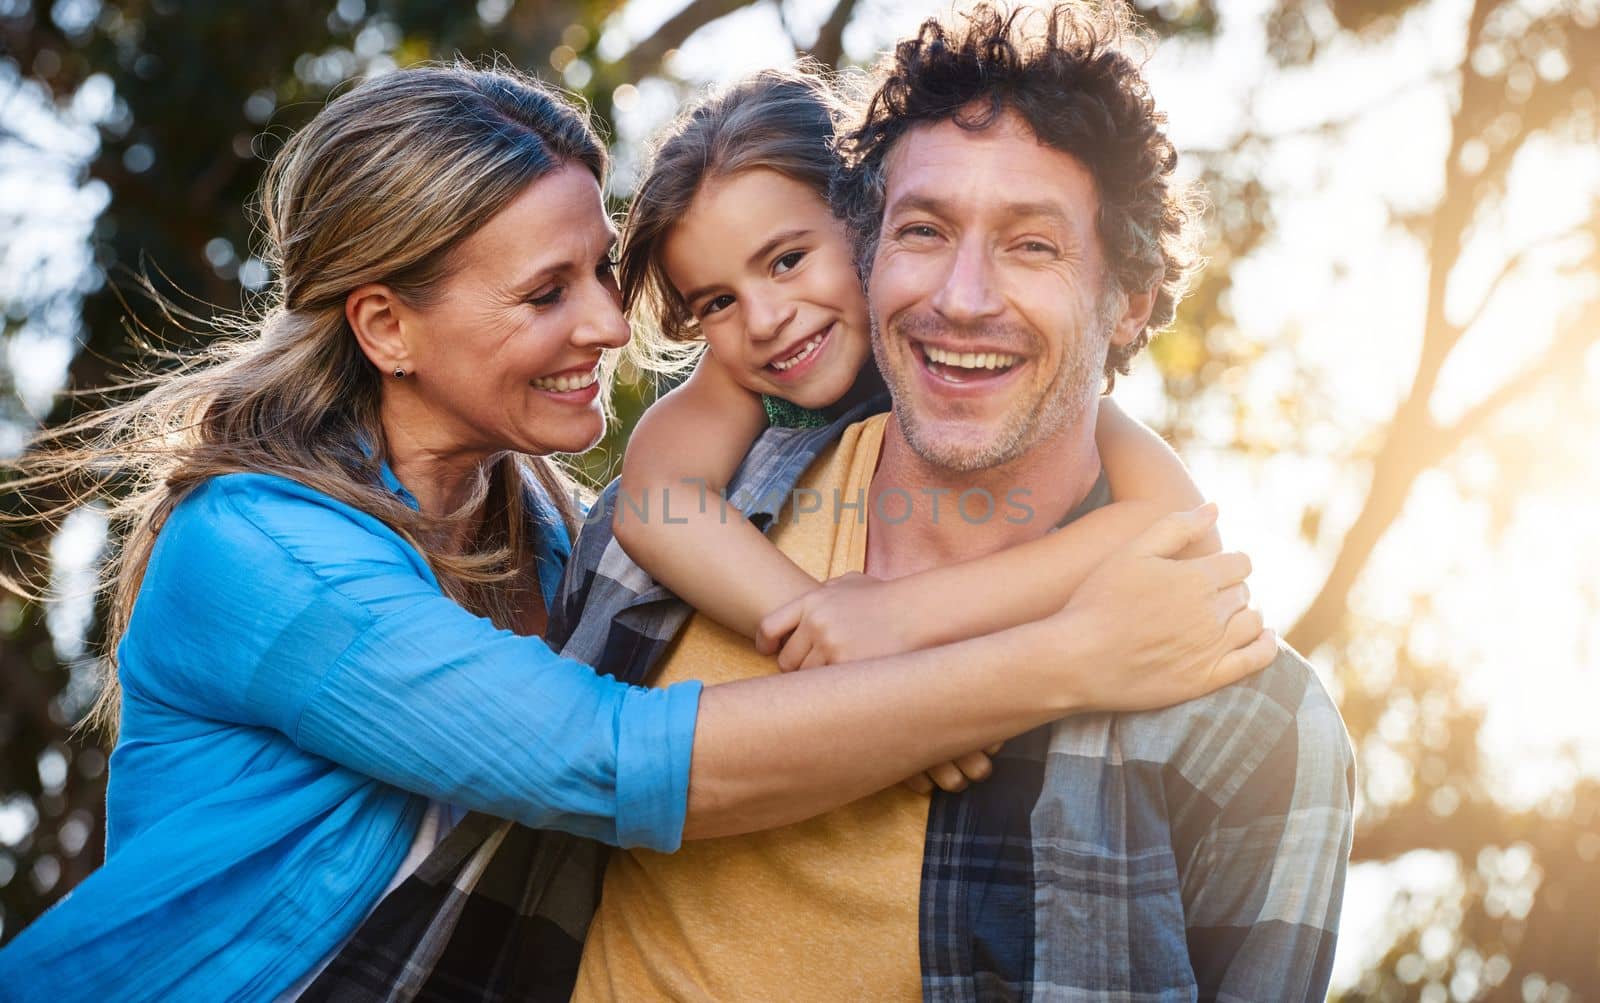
(779, 749)
(680, 459)
(310, 618)
(867, 617)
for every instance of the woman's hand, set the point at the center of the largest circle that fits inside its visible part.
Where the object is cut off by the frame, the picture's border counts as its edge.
(1165, 630)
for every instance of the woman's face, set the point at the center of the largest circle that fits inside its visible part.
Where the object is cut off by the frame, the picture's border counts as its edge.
(765, 267)
(507, 355)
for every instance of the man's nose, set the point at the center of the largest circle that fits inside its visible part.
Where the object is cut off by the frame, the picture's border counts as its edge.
(766, 316)
(968, 293)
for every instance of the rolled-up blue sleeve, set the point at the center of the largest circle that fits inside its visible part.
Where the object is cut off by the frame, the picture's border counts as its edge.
(275, 606)
(437, 701)
(653, 755)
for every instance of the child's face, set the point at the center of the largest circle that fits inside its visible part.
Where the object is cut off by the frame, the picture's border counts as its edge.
(765, 267)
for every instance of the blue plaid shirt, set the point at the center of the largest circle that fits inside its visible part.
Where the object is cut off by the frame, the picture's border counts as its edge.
(1192, 853)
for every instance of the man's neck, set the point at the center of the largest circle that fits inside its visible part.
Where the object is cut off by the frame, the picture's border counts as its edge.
(1006, 505)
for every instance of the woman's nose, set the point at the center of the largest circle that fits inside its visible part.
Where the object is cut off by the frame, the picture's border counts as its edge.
(603, 324)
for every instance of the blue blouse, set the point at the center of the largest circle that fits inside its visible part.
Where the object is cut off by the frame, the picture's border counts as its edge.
(295, 688)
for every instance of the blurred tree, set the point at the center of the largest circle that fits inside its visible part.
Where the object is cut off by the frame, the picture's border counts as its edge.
(1525, 76)
(198, 94)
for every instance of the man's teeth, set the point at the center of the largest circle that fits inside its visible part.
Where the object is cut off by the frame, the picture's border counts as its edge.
(971, 360)
(563, 384)
(802, 355)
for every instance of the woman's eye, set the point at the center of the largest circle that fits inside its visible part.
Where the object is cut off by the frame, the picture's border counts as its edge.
(788, 261)
(550, 298)
(716, 304)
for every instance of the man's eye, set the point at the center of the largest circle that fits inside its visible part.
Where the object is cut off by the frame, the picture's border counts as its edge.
(1038, 247)
(716, 304)
(787, 262)
(550, 298)
(918, 230)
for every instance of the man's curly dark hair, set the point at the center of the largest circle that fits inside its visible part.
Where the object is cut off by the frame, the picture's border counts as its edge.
(1068, 73)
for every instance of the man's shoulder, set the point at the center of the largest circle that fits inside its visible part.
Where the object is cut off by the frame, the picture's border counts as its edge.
(1278, 727)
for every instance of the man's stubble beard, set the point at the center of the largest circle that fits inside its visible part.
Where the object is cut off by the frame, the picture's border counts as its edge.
(1065, 399)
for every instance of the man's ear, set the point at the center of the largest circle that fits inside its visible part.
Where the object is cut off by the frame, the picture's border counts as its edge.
(1136, 308)
(373, 311)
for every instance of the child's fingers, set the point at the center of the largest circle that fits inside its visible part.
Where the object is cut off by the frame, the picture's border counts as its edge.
(816, 657)
(975, 766)
(795, 651)
(949, 777)
(777, 625)
(919, 783)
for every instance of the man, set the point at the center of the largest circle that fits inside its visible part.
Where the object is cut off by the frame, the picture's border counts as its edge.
(1012, 194)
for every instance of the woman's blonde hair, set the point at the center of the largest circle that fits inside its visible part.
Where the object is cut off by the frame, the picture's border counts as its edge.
(383, 185)
(783, 120)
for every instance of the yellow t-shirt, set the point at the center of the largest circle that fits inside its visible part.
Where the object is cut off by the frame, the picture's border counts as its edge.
(822, 910)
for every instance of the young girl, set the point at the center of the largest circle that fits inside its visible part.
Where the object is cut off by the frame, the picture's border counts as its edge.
(731, 241)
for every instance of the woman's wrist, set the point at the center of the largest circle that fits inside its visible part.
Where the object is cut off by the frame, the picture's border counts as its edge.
(1053, 661)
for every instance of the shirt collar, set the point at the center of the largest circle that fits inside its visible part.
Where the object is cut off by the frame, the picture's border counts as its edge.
(390, 481)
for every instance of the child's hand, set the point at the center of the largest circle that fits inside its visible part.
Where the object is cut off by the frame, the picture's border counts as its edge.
(845, 619)
(958, 775)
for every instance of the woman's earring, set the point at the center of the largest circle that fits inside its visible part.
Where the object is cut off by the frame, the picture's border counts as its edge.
(399, 373)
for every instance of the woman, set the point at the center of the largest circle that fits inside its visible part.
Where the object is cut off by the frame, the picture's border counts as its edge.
(343, 538)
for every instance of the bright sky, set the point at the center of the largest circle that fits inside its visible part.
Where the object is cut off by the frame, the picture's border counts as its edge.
(1337, 293)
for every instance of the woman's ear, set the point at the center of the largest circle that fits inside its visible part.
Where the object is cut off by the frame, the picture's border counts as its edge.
(1135, 315)
(373, 311)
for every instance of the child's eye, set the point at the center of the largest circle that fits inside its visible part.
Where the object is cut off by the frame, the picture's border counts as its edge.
(787, 262)
(716, 304)
(550, 298)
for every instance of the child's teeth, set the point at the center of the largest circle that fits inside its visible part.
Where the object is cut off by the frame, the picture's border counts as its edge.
(800, 356)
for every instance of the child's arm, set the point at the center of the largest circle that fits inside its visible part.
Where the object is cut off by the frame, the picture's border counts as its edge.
(959, 601)
(1142, 467)
(679, 460)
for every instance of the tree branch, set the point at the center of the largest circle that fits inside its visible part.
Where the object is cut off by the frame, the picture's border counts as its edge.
(829, 46)
(645, 58)
(1414, 444)
(1515, 263)
(1567, 349)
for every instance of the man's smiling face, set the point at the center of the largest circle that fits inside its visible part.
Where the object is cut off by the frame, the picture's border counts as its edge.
(992, 313)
